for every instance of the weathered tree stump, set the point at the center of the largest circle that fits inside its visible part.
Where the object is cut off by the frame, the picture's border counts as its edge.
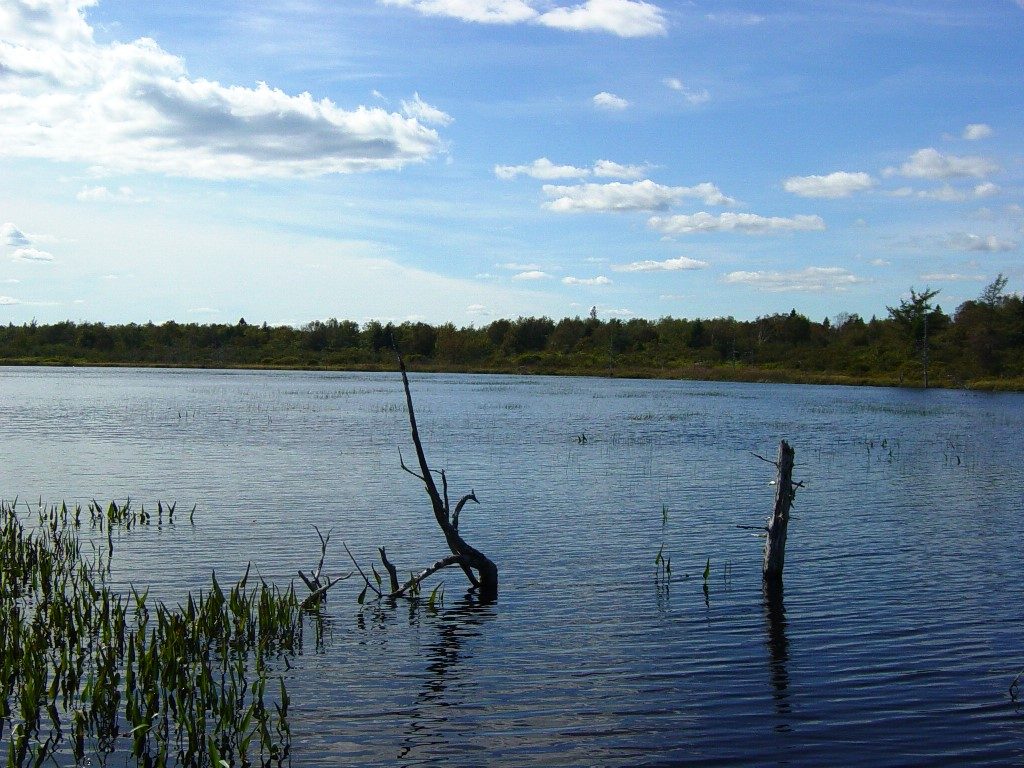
(778, 524)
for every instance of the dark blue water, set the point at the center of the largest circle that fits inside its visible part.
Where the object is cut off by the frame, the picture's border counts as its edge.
(894, 642)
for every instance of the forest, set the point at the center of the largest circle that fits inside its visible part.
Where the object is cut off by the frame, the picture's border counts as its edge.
(980, 345)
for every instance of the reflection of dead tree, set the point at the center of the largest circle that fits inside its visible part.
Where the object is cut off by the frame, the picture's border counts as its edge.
(479, 569)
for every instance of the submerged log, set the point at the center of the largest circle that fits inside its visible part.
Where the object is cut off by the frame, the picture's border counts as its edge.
(778, 524)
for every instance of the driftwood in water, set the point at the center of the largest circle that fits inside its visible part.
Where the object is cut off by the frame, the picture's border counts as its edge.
(479, 569)
(778, 524)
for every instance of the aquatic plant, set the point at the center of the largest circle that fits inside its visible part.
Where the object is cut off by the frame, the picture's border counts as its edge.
(87, 670)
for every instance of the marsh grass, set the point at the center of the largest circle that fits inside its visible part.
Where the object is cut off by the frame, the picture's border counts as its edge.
(86, 671)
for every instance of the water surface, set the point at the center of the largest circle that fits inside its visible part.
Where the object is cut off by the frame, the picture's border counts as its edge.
(894, 642)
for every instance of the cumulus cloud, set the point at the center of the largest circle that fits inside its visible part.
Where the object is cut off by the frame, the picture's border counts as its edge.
(13, 236)
(986, 189)
(668, 265)
(29, 253)
(832, 185)
(133, 106)
(608, 169)
(976, 131)
(749, 223)
(532, 274)
(8, 301)
(605, 100)
(811, 280)
(477, 310)
(545, 170)
(599, 280)
(418, 109)
(541, 168)
(965, 241)
(625, 18)
(694, 96)
(929, 163)
(617, 196)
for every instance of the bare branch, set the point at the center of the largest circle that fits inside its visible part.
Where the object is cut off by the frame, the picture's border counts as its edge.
(392, 571)
(314, 597)
(444, 562)
(323, 553)
(444, 485)
(401, 462)
(471, 496)
(762, 458)
(358, 568)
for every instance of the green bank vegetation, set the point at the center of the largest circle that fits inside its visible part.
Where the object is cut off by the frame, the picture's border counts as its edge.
(980, 345)
(86, 670)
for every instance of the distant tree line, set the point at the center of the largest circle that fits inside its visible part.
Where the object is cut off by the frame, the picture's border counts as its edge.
(981, 342)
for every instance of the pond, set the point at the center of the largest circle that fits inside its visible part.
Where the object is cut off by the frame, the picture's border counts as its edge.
(895, 641)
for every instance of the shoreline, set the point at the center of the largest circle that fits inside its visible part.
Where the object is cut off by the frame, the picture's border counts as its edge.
(722, 373)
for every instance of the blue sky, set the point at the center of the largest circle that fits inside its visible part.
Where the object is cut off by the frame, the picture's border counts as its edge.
(465, 160)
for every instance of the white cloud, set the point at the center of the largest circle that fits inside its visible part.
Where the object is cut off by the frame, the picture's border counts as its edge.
(618, 312)
(951, 277)
(542, 168)
(480, 11)
(608, 169)
(832, 185)
(514, 266)
(879, 263)
(8, 301)
(929, 163)
(532, 274)
(965, 241)
(668, 265)
(976, 131)
(133, 107)
(944, 194)
(104, 195)
(694, 96)
(13, 236)
(605, 100)
(811, 280)
(986, 189)
(418, 109)
(749, 223)
(617, 196)
(478, 310)
(599, 280)
(29, 253)
(625, 18)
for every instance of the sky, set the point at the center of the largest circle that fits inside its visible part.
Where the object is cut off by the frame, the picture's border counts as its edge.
(467, 160)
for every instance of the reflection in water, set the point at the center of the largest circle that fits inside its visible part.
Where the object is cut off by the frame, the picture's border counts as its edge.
(443, 685)
(778, 651)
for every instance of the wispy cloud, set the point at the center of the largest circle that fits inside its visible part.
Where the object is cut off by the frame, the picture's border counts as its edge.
(533, 274)
(608, 169)
(610, 101)
(418, 109)
(668, 265)
(591, 281)
(929, 163)
(809, 280)
(749, 223)
(104, 195)
(832, 185)
(134, 107)
(694, 96)
(541, 168)
(625, 18)
(617, 196)
(953, 277)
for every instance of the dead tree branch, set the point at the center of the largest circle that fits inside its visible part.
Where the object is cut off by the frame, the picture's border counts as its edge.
(785, 490)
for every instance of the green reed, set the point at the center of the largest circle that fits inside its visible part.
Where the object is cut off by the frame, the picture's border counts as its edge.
(86, 670)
